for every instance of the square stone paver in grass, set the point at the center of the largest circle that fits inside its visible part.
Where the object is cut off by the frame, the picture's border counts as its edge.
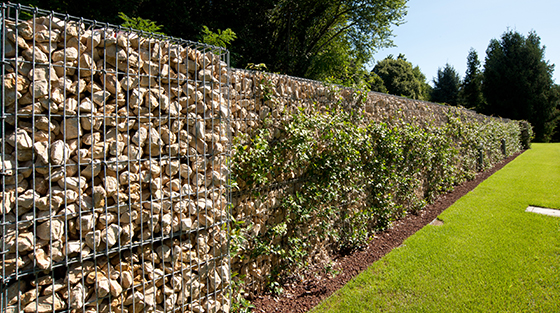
(545, 211)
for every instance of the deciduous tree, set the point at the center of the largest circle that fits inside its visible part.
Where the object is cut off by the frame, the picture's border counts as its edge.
(401, 78)
(316, 39)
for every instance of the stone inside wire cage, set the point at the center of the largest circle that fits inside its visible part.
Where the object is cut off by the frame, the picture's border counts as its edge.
(114, 148)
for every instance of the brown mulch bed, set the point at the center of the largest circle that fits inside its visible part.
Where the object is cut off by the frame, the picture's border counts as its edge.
(303, 296)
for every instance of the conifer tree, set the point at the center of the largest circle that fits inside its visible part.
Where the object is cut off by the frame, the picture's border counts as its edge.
(471, 90)
(446, 86)
(518, 84)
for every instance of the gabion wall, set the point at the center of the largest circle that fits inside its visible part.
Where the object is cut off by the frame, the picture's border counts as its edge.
(263, 101)
(114, 165)
(114, 149)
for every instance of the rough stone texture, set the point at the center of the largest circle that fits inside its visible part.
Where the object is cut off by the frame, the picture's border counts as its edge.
(45, 304)
(101, 127)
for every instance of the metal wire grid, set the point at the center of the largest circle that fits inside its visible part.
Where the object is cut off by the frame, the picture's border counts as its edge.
(114, 168)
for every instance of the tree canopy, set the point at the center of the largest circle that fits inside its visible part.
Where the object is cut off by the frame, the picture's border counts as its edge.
(401, 78)
(307, 38)
(518, 82)
(446, 86)
(471, 89)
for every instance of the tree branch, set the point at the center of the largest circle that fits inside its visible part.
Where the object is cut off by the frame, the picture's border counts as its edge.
(336, 35)
(329, 25)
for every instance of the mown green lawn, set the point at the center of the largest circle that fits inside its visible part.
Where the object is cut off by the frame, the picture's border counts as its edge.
(489, 256)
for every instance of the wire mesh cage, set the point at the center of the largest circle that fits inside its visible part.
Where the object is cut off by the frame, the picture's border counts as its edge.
(114, 168)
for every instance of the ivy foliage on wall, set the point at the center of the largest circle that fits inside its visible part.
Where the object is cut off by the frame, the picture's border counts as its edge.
(355, 176)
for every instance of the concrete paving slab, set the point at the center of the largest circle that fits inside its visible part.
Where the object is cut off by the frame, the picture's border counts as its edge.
(545, 211)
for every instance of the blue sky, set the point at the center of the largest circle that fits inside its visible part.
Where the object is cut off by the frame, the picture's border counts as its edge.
(439, 32)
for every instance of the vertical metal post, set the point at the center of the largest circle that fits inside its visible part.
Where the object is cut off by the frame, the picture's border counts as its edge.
(480, 158)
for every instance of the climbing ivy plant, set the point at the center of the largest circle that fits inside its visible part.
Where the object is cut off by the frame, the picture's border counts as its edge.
(356, 176)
